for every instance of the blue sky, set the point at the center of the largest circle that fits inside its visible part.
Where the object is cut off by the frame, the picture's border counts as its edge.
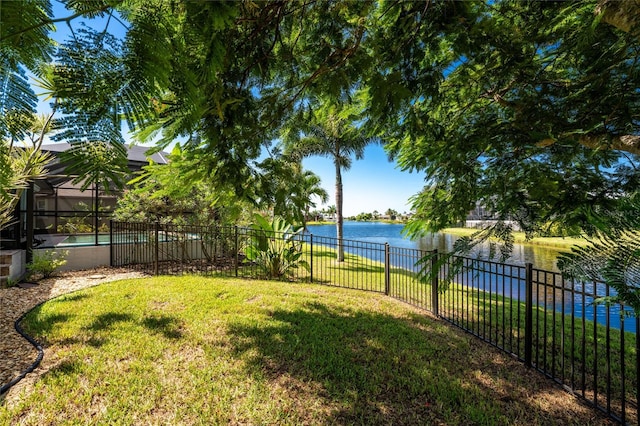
(373, 183)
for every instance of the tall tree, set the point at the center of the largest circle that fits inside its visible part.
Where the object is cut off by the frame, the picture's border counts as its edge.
(528, 115)
(529, 107)
(333, 134)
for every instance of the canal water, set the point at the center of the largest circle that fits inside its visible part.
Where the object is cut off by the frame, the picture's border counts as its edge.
(391, 233)
(541, 257)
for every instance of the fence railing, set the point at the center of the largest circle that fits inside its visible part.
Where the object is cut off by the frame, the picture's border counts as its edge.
(546, 321)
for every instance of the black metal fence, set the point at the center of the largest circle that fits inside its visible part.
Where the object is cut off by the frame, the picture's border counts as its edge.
(548, 322)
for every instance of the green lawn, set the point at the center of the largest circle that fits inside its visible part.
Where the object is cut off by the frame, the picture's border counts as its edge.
(194, 350)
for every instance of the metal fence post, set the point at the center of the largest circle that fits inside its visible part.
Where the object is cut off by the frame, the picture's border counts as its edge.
(111, 242)
(311, 258)
(528, 315)
(235, 249)
(638, 362)
(156, 254)
(434, 283)
(387, 270)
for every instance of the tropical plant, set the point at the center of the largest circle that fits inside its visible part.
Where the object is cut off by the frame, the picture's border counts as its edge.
(333, 134)
(331, 210)
(274, 247)
(20, 161)
(155, 194)
(21, 164)
(18, 167)
(286, 189)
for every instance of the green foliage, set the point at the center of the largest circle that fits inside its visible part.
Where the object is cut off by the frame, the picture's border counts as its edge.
(613, 255)
(18, 166)
(283, 187)
(526, 117)
(47, 262)
(78, 223)
(274, 246)
(363, 217)
(331, 132)
(96, 91)
(17, 102)
(24, 34)
(157, 195)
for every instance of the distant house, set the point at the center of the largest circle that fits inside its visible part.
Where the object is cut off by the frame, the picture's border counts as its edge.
(481, 217)
(56, 208)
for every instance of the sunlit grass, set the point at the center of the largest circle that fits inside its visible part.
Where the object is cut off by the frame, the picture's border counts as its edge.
(194, 350)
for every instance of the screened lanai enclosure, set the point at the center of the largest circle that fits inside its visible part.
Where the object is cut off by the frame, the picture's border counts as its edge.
(56, 212)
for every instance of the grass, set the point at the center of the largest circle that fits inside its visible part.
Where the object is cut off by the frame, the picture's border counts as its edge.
(520, 238)
(557, 342)
(194, 350)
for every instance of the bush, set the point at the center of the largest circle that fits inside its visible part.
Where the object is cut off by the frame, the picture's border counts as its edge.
(46, 263)
(273, 247)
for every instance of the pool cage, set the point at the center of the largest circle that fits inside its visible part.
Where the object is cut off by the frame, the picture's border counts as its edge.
(62, 214)
(55, 211)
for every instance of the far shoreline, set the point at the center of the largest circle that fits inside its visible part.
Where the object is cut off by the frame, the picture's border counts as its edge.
(519, 237)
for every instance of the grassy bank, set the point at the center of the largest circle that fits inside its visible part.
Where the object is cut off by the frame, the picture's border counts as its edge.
(520, 238)
(194, 350)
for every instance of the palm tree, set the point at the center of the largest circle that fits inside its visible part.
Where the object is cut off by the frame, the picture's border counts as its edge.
(310, 188)
(332, 211)
(333, 134)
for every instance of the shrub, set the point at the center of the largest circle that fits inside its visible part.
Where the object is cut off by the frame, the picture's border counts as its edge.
(45, 263)
(272, 246)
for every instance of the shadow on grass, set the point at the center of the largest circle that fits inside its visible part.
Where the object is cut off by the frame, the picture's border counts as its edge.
(108, 320)
(378, 369)
(73, 297)
(96, 334)
(46, 323)
(168, 326)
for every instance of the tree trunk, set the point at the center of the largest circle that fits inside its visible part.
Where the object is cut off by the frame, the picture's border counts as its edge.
(624, 15)
(339, 219)
(626, 143)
